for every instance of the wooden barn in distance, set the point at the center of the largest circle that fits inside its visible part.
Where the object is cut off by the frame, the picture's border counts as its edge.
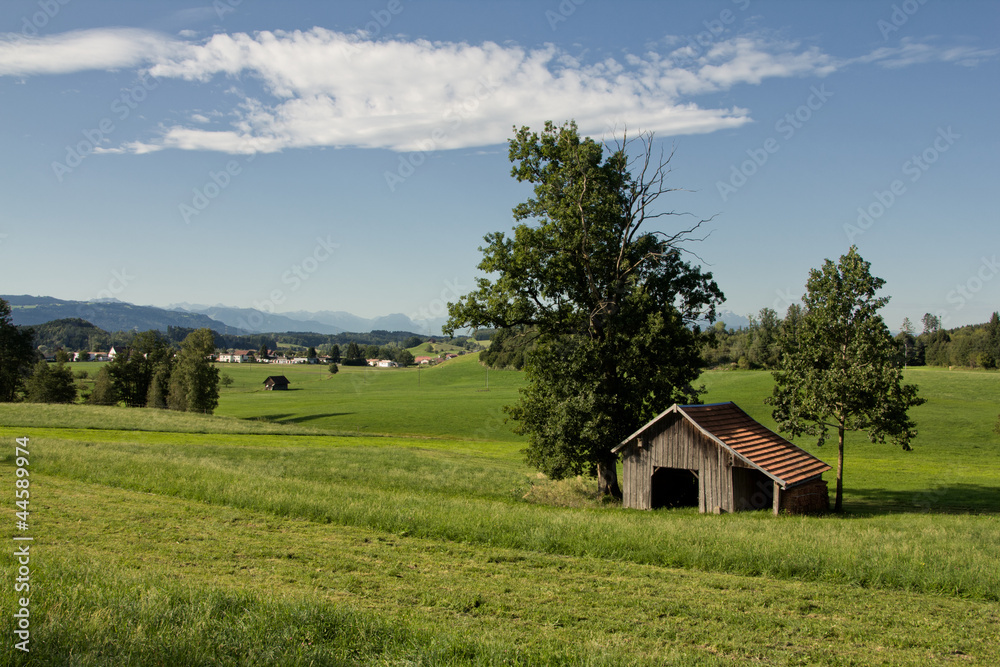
(718, 458)
(276, 382)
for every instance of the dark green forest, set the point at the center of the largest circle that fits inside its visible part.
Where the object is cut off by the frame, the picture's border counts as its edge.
(757, 346)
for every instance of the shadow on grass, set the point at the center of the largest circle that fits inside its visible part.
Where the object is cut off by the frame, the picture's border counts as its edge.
(288, 418)
(950, 499)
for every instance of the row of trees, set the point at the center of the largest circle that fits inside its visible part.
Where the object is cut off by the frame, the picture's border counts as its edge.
(74, 334)
(150, 372)
(758, 345)
(357, 355)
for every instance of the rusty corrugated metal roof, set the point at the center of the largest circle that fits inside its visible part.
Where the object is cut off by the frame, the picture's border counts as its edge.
(756, 444)
(753, 441)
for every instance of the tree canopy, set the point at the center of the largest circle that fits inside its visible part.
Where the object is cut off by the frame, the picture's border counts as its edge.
(16, 355)
(613, 303)
(194, 382)
(134, 367)
(840, 368)
(51, 383)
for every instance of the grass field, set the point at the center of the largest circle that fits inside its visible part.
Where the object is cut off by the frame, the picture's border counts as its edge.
(386, 517)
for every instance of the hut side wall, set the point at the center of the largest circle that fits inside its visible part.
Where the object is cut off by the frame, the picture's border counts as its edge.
(637, 469)
(807, 498)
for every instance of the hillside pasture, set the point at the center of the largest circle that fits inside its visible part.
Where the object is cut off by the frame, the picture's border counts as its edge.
(448, 400)
(364, 520)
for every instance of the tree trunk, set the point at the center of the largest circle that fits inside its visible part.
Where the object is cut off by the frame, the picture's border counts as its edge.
(838, 504)
(607, 477)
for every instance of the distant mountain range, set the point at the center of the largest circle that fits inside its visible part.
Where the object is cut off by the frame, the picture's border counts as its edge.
(324, 321)
(114, 315)
(108, 314)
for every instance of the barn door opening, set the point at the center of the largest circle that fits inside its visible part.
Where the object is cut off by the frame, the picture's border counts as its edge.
(674, 487)
(752, 490)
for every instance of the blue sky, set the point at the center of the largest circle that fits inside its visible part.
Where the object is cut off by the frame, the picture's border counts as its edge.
(351, 155)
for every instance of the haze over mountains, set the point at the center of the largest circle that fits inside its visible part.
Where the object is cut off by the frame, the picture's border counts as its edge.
(114, 315)
(324, 321)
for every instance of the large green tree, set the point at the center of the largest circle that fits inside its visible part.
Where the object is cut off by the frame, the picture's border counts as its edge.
(17, 355)
(840, 367)
(194, 381)
(613, 303)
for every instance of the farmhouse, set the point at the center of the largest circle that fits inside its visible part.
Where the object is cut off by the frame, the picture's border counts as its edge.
(276, 382)
(716, 457)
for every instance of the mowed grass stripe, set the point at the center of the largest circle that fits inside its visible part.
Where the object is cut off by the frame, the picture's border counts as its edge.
(151, 576)
(440, 495)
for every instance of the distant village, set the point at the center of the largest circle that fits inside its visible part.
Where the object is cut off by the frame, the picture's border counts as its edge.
(269, 356)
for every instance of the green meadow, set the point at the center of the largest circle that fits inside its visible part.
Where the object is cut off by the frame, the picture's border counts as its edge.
(386, 517)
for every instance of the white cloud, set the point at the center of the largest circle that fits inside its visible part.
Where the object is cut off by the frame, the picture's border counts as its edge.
(916, 52)
(324, 88)
(82, 50)
(332, 89)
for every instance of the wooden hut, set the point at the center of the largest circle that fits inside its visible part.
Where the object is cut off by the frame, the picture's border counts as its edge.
(718, 458)
(276, 382)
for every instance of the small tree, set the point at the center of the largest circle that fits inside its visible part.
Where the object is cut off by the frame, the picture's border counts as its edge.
(335, 354)
(353, 355)
(51, 385)
(194, 382)
(159, 388)
(931, 323)
(839, 368)
(403, 357)
(104, 392)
